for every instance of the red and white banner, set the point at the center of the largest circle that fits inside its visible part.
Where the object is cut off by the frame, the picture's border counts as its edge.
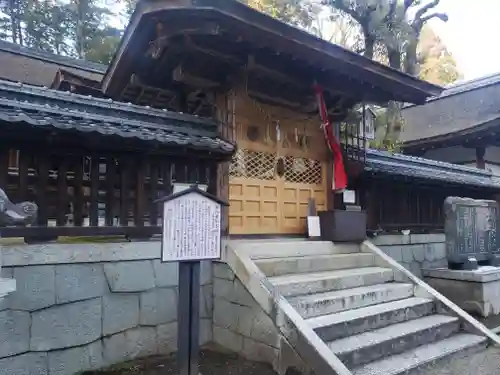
(339, 183)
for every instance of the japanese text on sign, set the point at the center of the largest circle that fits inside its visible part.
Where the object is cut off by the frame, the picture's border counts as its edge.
(191, 228)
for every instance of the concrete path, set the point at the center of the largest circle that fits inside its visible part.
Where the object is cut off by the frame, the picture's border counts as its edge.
(486, 362)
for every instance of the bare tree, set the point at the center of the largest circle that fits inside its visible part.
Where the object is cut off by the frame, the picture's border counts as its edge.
(388, 28)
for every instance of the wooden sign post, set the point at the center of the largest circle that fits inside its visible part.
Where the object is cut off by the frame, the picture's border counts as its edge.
(191, 232)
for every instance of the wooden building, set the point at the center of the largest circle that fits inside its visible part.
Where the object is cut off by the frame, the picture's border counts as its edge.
(213, 92)
(403, 192)
(255, 75)
(26, 65)
(95, 166)
(460, 126)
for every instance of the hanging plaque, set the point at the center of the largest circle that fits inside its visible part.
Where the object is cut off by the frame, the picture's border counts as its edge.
(191, 226)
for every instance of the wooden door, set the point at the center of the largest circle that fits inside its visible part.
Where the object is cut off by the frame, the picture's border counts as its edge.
(279, 165)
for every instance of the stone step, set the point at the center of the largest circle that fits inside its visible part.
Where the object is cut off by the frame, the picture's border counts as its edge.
(352, 322)
(314, 263)
(366, 347)
(272, 249)
(316, 305)
(317, 282)
(424, 356)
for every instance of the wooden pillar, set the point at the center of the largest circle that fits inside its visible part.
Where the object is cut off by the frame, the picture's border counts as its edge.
(222, 171)
(480, 163)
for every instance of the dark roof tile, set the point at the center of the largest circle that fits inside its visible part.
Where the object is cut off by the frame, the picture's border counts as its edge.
(410, 166)
(46, 108)
(459, 107)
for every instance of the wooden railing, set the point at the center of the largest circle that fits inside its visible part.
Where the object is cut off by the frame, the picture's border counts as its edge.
(94, 195)
(353, 139)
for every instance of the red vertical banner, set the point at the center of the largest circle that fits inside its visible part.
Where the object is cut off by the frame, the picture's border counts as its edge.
(339, 183)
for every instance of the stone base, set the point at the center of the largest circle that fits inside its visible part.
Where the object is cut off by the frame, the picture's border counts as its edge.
(7, 286)
(475, 291)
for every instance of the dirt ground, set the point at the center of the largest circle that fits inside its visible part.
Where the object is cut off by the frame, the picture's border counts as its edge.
(211, 363)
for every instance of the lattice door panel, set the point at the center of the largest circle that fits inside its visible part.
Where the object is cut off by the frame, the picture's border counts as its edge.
(294, 203)
(304, 178)
(303, 171)
(254, 207)
(253, 165)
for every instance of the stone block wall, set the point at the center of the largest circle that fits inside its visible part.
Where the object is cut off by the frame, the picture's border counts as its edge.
(414, 251)
(239, 323)
(79, 308)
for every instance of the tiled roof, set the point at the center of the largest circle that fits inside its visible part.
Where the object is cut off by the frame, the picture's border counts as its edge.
(53, 58)
(45, 108)
(410, 166)
(21, 64)
(460, 107)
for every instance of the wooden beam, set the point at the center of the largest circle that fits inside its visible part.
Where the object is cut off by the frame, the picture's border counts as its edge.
(165, 33)
(270, 99)
(179, 74)
(252, 65)
(191, 45)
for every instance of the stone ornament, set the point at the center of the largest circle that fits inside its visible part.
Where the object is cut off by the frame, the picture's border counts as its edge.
(19, 214)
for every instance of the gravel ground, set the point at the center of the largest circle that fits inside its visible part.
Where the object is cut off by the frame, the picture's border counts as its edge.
(486, 362)
(211, 363)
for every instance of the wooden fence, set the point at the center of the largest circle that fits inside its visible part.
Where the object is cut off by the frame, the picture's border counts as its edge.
(94, 195)
(393, 206)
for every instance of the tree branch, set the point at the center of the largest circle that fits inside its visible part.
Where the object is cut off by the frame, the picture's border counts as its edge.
(442, 16)
(408, 4)
(341, 5)
(425, 8)
(392, 10)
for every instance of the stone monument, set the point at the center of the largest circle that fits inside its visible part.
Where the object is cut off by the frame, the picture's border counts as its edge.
(470, 230)
(13, 215)
(472, 279)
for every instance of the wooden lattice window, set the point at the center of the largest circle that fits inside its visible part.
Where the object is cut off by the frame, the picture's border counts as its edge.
(303, 170)
(253, 164)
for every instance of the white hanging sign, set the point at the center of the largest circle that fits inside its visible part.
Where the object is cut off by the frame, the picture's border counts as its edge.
(191, 226)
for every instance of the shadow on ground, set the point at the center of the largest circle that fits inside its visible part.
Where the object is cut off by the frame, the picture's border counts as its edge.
(211, 363)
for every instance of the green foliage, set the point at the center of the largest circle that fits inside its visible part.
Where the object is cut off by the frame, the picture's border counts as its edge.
(78, 28)
(436, 63)
(295, 12)
(391, 32)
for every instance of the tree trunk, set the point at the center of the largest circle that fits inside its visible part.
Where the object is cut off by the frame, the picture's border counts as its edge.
(411, 63)
(394, 118)
(81, 7)
(369, 46)
(394, 124)
(13, 20)
(394, 57)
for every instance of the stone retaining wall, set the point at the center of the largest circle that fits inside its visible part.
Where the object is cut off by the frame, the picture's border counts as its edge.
(114, 302)
(239, 323)
(414, 251)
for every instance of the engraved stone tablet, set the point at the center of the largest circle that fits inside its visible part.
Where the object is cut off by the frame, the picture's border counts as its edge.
(470, 230)
(191, 226)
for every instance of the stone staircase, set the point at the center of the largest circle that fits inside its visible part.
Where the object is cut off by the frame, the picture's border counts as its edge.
(373, 323)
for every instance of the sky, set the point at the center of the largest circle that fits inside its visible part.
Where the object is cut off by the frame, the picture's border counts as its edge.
(470, 35)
